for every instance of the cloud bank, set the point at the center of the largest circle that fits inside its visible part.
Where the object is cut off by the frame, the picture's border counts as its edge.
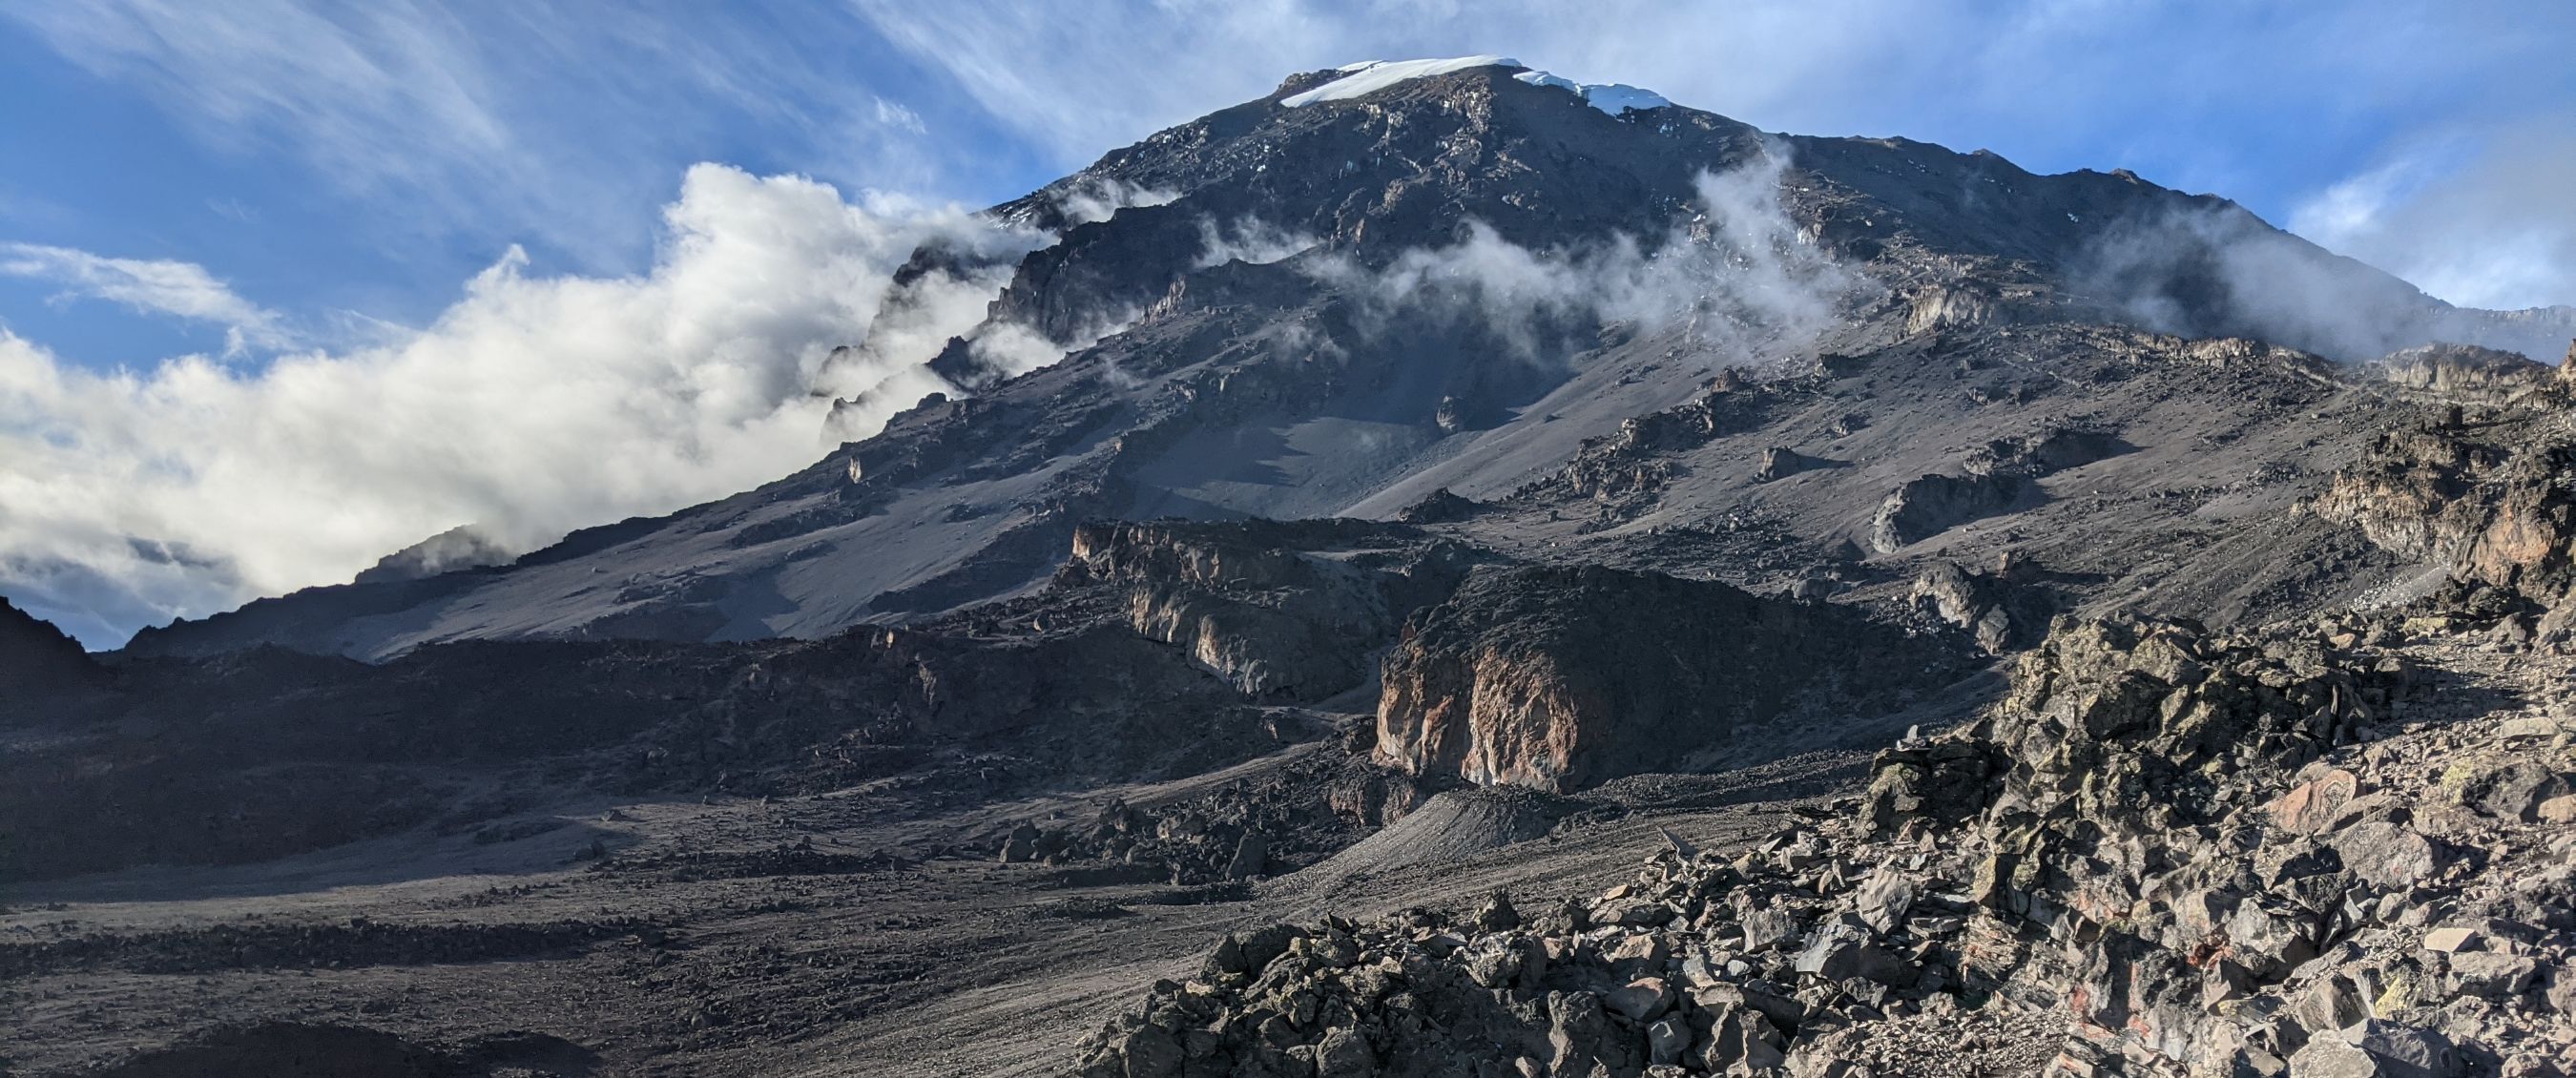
(532, 405)
(2483, 224)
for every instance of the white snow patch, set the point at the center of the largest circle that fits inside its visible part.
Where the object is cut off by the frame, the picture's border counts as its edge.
(1370, 76)
(1610, 97)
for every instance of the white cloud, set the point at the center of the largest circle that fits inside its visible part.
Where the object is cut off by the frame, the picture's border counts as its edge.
(1738, 276)
(155, 286)
(533, 405)
(899, 117)
(2490, 223)
(1248, 240)
(1102, 199)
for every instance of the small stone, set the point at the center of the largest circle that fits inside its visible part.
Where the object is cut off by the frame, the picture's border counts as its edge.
(2513, 789)
(2449, 940)
(2313, 806)
(2330, 1057)
(2523, 726)
(1667, 1039)
(2561, 809)
(1343, 1053)
(1884, 899)
(2388, 854)
(1641, 999)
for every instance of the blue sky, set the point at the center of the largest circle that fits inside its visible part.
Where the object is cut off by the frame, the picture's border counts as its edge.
(245, 246)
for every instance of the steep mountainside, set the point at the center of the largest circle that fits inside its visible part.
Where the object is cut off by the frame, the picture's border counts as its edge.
(1338, 307)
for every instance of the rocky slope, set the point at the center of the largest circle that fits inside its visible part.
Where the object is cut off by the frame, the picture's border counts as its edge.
(2164, 851)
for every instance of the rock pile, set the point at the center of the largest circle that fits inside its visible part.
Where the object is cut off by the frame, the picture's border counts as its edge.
(2164, 853)
(1241, 831)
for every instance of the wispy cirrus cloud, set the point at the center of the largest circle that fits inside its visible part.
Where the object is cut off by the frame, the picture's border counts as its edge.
(372, 92)
(541, 121)
(182, 290)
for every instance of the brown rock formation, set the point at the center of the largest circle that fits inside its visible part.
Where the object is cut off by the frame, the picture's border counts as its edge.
(1559, 678)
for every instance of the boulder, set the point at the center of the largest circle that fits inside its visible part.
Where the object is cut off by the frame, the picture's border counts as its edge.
(1928, 505)
(1251, 858)
(1344, 1053)
(1641, 999)
(2509, 789)
(2317, 804)
(2491, 974)
(2390, 855)
(1884, 898)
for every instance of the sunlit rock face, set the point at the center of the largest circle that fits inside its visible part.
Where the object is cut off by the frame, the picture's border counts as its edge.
(1564, 678)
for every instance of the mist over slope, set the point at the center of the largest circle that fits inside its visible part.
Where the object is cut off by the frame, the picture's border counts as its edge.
(1338, 306)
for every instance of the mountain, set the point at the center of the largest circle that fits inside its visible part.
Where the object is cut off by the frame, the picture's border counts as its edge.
(1339, 303)
(2025, 625)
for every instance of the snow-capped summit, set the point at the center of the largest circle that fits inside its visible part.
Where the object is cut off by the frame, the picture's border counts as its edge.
(1370, 76)
(1610, 97)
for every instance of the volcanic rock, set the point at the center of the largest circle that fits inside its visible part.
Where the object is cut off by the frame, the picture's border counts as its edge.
(1562, 678)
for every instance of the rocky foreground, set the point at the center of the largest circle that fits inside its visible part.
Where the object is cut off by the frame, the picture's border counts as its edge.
(2164, 852)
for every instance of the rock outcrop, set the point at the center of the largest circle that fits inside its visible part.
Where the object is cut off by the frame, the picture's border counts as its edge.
(2001, 610)
(1928, 505)
(1560, 678)
(1279, 610)
(2490, 501)
(2466, 372)
(2002, 476)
